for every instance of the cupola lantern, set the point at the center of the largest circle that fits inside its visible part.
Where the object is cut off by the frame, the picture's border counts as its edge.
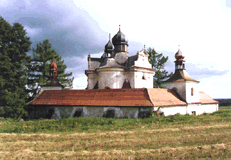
(179, 63)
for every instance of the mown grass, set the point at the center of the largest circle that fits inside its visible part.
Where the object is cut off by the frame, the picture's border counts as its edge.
(171, 137)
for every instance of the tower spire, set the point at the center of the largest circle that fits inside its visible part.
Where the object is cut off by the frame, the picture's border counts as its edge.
(179, 63)
(109, 47)
(53, 69)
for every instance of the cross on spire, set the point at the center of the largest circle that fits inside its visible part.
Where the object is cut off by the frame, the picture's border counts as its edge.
(119, 27)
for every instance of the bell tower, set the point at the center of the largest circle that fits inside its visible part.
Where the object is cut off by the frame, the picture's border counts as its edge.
(180, 62)
(181, 82)
(52, 83)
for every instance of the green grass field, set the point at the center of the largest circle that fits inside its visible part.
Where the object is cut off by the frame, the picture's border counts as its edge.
(172, 137)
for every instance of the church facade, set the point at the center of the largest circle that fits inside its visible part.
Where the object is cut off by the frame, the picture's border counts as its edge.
(120, 85)
(116, 69)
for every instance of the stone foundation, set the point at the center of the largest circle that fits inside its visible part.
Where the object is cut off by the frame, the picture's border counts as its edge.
(57, 112)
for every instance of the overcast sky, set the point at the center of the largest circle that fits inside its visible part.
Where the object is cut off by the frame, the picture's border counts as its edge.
(76, 28)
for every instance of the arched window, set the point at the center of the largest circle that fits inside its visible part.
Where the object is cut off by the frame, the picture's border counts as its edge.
(126, 84)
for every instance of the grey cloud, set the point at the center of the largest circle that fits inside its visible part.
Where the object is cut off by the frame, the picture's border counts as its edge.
(69, 30)
(199, 71)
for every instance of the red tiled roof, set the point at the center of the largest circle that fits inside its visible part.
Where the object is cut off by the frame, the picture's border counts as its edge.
(205, 99)
(109, 97)
(95, 97)
(115, 97)
(164, 97)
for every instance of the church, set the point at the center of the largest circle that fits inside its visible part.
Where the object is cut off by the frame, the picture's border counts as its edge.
(121, 86)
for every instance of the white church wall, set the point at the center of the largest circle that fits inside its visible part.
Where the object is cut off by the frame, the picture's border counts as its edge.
(192, 92)
(201, 108)
(129, 75)
(111, 77)
(92, 65)
(180, 86)
(143, 78)
(173, 110)
(92, 80)
(185, 89)
(194, 109)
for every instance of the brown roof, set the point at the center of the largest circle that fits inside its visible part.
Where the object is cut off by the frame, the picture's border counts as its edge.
(164, 97)
(109, 97)
(96, 97)
(180, 75)
(205, 99)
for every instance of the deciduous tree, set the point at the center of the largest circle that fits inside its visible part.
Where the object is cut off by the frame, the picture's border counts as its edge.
(158, 62)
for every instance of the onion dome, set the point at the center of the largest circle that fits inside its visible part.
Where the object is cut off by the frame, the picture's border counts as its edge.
(109, 46)
(120, 39)
(179, 56)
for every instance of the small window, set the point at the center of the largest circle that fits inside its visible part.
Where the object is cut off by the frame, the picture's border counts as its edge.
(192, 92)
(50, 113)
(78, 113)
(110, 114)
(193, 112)
(143, 77)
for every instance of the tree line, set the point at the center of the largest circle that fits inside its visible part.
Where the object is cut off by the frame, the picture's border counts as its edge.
(21, 75)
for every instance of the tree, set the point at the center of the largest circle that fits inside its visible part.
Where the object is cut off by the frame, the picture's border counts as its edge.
(39, 68)
(13, 74)
(158, 61)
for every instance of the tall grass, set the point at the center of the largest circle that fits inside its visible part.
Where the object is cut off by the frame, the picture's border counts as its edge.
(94, 124)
